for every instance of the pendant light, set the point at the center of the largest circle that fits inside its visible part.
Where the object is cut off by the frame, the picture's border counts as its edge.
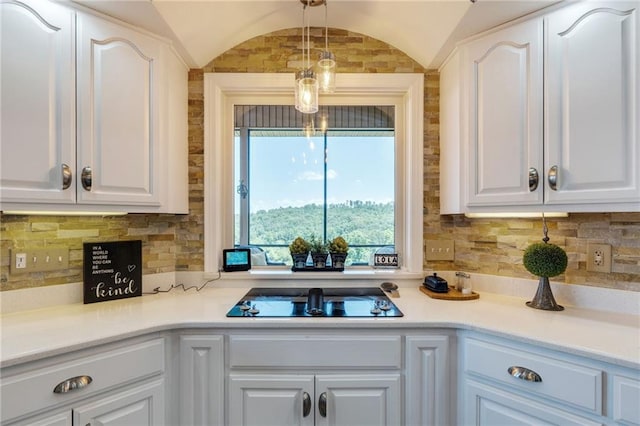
(306, 89)
(326, 66)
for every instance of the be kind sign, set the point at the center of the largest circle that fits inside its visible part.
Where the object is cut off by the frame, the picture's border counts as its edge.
(112, 270)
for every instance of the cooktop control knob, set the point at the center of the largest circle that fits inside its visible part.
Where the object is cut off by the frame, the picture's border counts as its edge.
(384, 305)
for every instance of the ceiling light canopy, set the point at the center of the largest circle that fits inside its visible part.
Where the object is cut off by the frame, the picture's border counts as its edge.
(319, 77)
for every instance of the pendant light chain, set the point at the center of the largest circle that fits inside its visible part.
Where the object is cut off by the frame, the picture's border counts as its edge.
(326, 28)
(308, 41)
(304, 8)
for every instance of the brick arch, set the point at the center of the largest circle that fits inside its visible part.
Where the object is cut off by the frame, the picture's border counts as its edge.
(281, 51)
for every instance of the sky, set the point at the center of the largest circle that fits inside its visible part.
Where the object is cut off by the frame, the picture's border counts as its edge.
(287, 171)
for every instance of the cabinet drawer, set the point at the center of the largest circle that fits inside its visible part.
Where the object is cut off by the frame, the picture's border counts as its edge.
(314, 351)
(626, 394)
(33, 390)
(564, 381)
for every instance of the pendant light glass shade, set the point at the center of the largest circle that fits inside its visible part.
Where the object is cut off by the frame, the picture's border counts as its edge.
(296, 88)
(309, 82)
(326, 66)
(307, 92)
(326, 71)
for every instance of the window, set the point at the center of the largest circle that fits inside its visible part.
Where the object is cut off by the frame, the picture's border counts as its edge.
(224, 92)
(304, 182)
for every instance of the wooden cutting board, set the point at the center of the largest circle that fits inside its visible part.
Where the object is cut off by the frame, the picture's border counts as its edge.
(452, 294)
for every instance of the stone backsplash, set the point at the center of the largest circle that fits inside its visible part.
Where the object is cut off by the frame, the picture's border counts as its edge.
(175, 242)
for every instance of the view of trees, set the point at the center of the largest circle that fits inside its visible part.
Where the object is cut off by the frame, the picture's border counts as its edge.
(361, 223)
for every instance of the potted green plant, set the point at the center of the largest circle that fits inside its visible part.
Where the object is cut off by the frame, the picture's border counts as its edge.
(544, 260)
(338, 250)
(319, 252)
(299, 249)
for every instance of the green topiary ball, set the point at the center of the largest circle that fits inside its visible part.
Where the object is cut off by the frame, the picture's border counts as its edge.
(545, 260)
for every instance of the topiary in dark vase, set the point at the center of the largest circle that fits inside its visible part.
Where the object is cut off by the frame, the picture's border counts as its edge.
(545, 260)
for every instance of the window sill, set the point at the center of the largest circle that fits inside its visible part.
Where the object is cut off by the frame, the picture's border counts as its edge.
(349, 274)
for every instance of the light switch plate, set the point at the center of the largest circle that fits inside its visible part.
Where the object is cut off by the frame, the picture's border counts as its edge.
(439, 250)
(39, 260)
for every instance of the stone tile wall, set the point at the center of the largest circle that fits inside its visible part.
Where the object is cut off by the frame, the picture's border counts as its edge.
(171, 243)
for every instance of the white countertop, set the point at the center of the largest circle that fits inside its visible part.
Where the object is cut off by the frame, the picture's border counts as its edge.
(31, 335)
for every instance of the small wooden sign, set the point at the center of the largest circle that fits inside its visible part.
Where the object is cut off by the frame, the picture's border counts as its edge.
(389, 260)
(112, 270)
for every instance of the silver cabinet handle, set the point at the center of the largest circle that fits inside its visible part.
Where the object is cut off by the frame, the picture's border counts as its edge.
(73, 383)
(524, 373)
(86, 178)
(533, 179)
(67, 176)
(306, 404)
(553, 178)
(322, 404)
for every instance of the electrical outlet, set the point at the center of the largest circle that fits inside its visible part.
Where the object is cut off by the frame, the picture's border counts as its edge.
(599, 257)
(39, 260)
(439, 250)
(20, 261)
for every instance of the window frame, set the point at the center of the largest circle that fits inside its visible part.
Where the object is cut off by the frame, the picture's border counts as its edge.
(222, 91)
(323, 140)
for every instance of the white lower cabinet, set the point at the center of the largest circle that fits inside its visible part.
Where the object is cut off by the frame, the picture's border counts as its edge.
(323, 399)
(352, 377)
(505, 382)
(625, 406)
(428, 380)
(58, 419)
(490, 406)
(201, 380)
(140, 406)
(122, 384)
(315, 379)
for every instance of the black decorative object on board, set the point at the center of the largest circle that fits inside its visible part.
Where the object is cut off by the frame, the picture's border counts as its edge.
(112, 270)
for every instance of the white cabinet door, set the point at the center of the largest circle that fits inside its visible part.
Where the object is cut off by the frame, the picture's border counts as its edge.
(625, 397)
(338, 399)
(429, 394)
(118, 93)
(201, 380)
(593, 96)
(271, 400)
(488, 406)
(505, 75)
(140, 406)
(60, 419)
(358, 400)
(174, 138)
(37, 108)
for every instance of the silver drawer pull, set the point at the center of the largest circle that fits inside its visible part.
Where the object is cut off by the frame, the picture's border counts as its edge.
(533, 179)
(553, 178)
(322, 404)
(73, 383)
(524, 374)
(67, 176)
(86, 177)
(306, 404)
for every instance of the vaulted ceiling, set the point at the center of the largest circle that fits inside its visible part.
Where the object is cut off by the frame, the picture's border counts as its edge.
(426, 30)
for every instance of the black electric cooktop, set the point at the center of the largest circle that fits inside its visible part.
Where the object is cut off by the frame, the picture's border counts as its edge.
(352, 302)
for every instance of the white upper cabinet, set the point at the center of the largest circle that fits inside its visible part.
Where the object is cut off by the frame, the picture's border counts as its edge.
(93, 112)
(38, 101)
(545, 114)
(118, 126)
(505, 115)
(593, 100)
